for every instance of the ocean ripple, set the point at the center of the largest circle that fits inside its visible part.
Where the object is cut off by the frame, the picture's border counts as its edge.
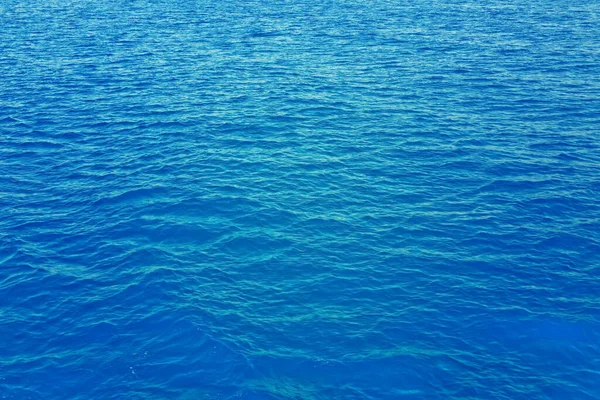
(300, 200)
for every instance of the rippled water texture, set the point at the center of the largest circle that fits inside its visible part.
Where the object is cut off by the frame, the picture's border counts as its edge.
(300, 199)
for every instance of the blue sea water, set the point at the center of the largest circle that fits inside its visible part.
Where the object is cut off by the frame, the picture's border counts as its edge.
(334, 199)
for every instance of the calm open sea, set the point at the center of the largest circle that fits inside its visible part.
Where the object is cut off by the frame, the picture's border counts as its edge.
(269, 199)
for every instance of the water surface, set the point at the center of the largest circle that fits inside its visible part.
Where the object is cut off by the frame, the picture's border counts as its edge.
(300, 199)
